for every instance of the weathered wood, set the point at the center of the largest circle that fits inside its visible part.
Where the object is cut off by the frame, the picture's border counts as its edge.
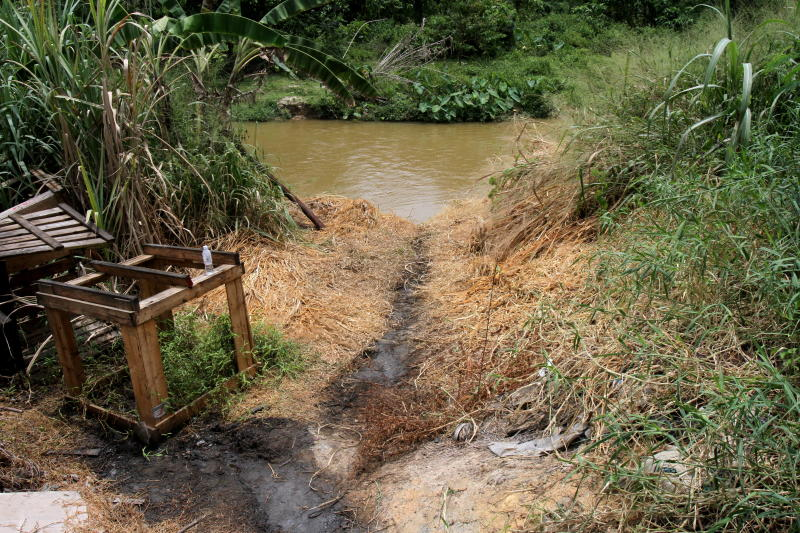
(185, 413)
(147, 372)
(139, 273)
(98, 277)
(11, 360)
(41, 235)
(12, 229)
(61, 233)
(67, 349)
(72, 245)
(240, 324)
(190, 256)
(81, 307)
(22, 262)
(147, 289)
(171, 298)
(43, 201)
(124, 302)
(44, 271)
(100, 232)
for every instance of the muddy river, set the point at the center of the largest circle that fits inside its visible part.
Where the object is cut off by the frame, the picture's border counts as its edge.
(409, 169)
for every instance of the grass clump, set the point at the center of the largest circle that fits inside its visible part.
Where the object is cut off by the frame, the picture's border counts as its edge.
(198, 355)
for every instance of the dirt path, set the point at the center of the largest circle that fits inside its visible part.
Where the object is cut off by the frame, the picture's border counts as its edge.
(270, 473)
(376, 299)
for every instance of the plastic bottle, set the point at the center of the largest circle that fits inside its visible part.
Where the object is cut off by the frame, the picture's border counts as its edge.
(207, 260)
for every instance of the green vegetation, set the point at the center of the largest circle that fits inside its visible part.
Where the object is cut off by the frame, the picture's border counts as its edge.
(112, 104)
(198, 355)
(692, 172)
(427, 55)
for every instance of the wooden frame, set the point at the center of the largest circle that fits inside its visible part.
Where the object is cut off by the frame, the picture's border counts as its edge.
(139, 318)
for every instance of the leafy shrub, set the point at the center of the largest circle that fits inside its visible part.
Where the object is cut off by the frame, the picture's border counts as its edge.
(476, 27)
(198, 355)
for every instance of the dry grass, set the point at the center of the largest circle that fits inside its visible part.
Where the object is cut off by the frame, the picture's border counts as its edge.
(332, 292)
(493, 268)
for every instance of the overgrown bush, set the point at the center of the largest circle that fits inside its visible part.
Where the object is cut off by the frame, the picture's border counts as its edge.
(198, 355)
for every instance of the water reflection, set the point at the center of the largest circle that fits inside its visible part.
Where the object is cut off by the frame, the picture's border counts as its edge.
(406, 168)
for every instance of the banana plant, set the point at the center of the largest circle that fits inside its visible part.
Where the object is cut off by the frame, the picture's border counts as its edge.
(209, 31)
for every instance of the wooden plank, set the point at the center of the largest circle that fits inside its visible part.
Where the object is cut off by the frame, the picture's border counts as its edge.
(191, 256)
(45, 271)
(138, 272)
(43, 201)
(183, 414)
(15, 230)
(240, 324)
(78, 307)
(87, 294)
(147, 288)
(97, 277)
(67, 349)
(171, 298)
(101, 232)
(96, 241)
(37, 218)
(59, 232)
(147, 373)
(16, 264)
(42, 235)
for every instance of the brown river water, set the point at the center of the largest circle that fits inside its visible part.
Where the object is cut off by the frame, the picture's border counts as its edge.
(409, 169)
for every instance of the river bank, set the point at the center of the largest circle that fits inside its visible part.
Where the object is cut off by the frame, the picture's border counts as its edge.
(301, 454)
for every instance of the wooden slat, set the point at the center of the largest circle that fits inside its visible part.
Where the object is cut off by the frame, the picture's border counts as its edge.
(17, 263)
(59, 232)
(45, 271)
(240, 324)
(98, 277)
(138, 272)
(78, 307)
(124, 302)
(42, 235)
(43, 201)
(167, 300)
(194, 256)
(147, 372)
(14, 230)
(67, 350)
(101, 232)
(86, 243)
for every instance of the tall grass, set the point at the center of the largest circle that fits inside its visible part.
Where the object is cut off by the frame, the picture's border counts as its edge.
(689, 340)
(700, 270)
(90, 95)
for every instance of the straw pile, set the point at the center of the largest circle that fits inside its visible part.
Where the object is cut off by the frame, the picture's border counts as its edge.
(500, 288)
(333, 292)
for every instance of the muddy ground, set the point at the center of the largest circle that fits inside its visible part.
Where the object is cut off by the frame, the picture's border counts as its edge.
(285, 457)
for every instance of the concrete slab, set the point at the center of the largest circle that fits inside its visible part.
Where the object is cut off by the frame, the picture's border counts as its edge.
(41, 512)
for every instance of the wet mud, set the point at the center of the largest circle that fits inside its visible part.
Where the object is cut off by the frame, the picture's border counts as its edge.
(271, 474)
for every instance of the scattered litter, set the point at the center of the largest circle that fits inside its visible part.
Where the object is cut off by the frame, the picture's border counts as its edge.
(88, 452)
(128, 501)
(465, 431)
(677, 475)
(201, 442)
(538, 447)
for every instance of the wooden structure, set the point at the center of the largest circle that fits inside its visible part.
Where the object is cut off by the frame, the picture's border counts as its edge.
(37, 239)
(139, 318)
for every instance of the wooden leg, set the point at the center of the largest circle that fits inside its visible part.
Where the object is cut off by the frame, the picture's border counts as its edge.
(67, 349)
(147, 372)
(242, 336)
(147, 288)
